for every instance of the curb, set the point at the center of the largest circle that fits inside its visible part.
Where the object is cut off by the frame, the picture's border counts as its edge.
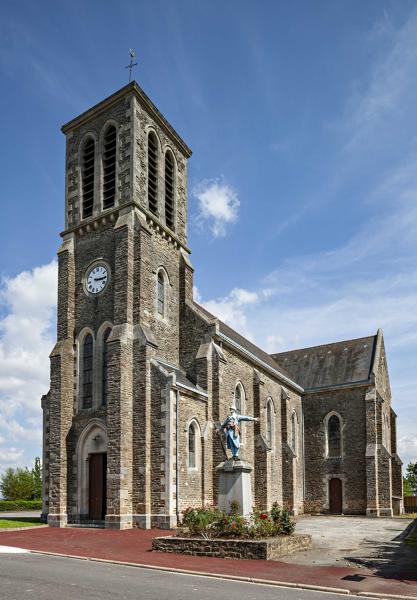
(376, 595)
(270, 582)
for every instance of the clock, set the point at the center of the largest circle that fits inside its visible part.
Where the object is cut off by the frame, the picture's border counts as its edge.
(96, 279)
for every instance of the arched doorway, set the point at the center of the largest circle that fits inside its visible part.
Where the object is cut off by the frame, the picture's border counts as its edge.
(335, 496)
(92, 470)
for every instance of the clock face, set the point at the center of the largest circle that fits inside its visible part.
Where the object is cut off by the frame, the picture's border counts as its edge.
(97, 279)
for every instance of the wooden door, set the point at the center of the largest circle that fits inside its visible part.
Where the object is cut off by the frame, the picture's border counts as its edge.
(97, 486)
(335, 496)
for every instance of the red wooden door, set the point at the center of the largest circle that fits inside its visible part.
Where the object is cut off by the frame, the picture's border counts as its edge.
(335, 496)
(97, 486)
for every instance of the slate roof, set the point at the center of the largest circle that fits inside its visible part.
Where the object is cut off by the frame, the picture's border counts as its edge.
(245, 343)
(340, 363)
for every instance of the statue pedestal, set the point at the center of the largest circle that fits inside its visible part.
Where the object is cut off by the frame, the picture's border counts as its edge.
(235, 485)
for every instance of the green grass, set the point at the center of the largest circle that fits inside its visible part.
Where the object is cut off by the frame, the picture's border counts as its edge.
(19, 522)
(409, 516)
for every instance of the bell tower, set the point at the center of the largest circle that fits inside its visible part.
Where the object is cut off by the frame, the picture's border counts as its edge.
(124, 273)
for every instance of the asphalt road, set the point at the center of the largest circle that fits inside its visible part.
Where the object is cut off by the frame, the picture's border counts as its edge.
(49, 577)
(29, 513)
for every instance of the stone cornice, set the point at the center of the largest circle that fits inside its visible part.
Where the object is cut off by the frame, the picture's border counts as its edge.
(131, 88)
(110, 216)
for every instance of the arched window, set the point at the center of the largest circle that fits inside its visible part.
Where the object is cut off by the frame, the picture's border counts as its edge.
(386, 431)
(239, 398)
(169, 190)
(105, 369)
(269, 423)
(294, 431)
(109, 167)
(87, 170)
(161, 294)
(88, 371)
(334, 437)
(192, 462)
(153, 173)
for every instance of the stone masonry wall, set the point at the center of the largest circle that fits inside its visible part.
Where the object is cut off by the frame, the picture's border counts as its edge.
(383, 391)
(351, 468)
(292, 458)
(237, 369)
(143, 124)
(267, 549)
(195, 490)
(120, 115)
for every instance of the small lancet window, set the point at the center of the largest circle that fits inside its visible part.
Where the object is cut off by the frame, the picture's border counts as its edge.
(109, 167)
(269, 422)
(105, 368)
(238, 399)
(294, 432)
(169, 190)
(161, 294)
(152, 173)
(88, 156)
(88, 371)
(334, 437)
(191, 447)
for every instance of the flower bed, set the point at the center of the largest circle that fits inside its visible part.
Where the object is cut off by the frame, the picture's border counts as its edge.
(211, 532)
(210, 522)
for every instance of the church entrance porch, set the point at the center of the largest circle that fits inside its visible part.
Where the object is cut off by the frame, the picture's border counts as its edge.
(97, 486)
(91, 474)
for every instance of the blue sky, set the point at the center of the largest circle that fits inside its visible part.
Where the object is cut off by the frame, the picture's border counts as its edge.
(302, 186)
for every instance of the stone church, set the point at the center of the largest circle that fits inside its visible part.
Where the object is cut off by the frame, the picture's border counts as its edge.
(141, 374)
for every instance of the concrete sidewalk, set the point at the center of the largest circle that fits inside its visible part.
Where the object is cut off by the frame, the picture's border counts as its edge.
(134, 547)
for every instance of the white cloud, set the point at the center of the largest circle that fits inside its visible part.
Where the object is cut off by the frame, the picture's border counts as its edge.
(27, 332)
(391, 83)
(218, 204)
(407, 449)
(346, 292)
(11, 457)
(232, 307)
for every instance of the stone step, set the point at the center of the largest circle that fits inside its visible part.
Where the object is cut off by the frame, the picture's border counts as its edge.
(88, 524)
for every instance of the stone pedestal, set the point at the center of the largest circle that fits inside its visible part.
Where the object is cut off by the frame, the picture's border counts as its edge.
(235, 485)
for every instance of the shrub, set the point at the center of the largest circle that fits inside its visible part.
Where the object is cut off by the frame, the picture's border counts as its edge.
(20, 505)
(210, 522)
(22, 484)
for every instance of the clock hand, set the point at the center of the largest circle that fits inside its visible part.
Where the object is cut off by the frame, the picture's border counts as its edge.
(99, 278)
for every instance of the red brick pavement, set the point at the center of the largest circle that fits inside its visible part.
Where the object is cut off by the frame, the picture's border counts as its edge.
(134, 546)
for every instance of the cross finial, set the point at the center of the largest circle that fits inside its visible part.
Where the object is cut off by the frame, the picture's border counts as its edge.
(132, 64)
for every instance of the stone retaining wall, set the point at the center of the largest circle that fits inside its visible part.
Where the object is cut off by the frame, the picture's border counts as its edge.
(266, 549)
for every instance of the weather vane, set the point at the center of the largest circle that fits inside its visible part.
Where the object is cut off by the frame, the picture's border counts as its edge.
(132, 64)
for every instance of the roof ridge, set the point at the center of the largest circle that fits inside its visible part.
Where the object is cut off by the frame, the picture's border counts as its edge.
(365, 337)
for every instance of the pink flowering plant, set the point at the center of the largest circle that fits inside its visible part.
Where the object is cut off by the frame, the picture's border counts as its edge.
(210, 522)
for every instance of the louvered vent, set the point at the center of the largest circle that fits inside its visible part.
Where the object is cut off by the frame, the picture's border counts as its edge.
(152, 174)
(88, 177)
(169, 190)
(109, 167)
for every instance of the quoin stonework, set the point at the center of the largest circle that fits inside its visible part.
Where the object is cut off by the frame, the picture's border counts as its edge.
(141, 375)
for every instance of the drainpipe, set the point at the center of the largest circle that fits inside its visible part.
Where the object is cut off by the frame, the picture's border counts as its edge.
(177, 453)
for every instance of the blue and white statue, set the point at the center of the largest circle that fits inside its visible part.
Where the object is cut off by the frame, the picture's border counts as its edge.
(230, 427)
